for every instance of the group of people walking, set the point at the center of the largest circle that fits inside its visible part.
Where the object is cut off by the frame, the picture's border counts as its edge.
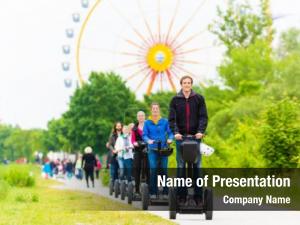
(187, 116)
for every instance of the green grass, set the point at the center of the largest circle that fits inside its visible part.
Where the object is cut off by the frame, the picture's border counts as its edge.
(42, 204)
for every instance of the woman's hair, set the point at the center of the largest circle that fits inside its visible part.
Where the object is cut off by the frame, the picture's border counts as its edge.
(88, 149)
(140, 112)
(115, 127)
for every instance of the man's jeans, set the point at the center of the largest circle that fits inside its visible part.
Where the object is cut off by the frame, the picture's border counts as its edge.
(181, 172)
(153, 159)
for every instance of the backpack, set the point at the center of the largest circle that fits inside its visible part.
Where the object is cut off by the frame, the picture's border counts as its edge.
(99, 166)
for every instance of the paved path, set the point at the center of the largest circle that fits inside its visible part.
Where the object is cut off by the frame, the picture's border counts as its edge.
(219, 217)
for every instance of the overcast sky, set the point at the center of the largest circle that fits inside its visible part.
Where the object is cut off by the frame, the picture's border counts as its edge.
(32, 32)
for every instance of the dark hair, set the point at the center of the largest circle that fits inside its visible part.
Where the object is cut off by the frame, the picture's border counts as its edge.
(115, 127)
(186, 77)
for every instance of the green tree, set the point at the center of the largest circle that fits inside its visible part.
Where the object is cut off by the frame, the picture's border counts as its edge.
(240, 25)
(281, 134)
(94, 108)
(248, 69)
(289, 42)
(5, 132)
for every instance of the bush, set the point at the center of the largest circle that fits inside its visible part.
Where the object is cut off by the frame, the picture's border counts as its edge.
(19, 177)
(104, 175)
(4, 189)
(281, 134)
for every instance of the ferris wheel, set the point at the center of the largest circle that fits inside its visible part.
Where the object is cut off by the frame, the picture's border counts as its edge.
(150, 44)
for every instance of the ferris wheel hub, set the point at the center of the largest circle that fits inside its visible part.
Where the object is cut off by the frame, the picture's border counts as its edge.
(160, 57)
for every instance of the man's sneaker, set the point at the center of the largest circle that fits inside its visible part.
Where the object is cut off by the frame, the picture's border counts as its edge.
(165, 197)
(152, 196)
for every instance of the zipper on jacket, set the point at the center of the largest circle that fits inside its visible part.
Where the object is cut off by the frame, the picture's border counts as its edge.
(187, 115)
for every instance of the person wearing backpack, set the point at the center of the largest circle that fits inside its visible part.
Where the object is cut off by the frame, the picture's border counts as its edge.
(187, 116)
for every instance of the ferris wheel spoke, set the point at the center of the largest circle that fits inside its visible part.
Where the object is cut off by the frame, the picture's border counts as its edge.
(158, 21)
(190, 62)
(152, 80)
(186, 62)
(146, 22)
(143, 80)
(169, 75)
(130, 64)
(172, 70)
(137, 73)
(194, 50)
(161, 81)
(172, 21)
(189, 39)
(130, 24)
(100, 51)
(186, 71)
(188, 22)
(135, 44)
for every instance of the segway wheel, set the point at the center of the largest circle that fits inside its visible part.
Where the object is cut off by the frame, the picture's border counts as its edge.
(130, 193)
(145, 196)
(172, 203)
(208, 204)
(116, 188)
(111, 187)
(123, 189)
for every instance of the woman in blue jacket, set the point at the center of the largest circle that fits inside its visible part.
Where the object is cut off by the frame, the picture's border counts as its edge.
(156, 129)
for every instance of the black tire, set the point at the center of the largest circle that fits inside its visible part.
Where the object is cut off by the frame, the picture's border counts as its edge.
(145, 196)
(123, 189)
(111, 187)
(130, 193)
(208, 203)
(116, 188)
(172, 203)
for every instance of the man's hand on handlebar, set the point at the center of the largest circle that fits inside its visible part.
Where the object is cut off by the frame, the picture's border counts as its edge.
(199, 135)
(178, 136)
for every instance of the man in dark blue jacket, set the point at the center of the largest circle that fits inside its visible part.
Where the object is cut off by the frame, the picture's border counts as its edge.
(187, 116)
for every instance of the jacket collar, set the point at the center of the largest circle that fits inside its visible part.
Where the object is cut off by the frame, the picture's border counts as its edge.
(154, 121)
(181, 95)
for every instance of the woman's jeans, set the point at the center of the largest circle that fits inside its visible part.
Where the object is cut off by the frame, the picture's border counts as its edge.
(154, 166)
(114, 166)
(121, 168)
(128, 169)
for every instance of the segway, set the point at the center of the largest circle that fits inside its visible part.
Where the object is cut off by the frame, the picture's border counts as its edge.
(159, 201)
(117, 188)
(190, 153)
(143, 176)
(111, 187)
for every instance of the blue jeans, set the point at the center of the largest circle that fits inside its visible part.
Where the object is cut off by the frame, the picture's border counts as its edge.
(181, 172)
(121, 167)
(153, 159)
(114, 170)
(128, 168)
